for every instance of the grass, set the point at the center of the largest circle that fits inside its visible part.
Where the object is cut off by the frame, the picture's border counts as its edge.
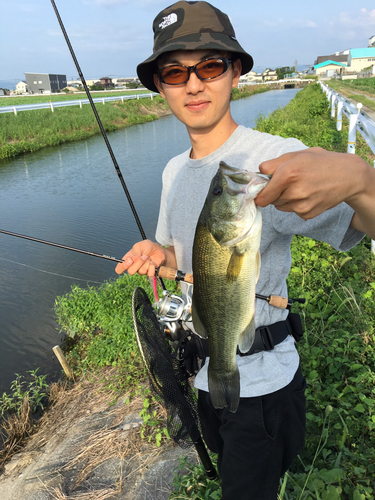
(32, 99)
(30, 131)
(361, 90)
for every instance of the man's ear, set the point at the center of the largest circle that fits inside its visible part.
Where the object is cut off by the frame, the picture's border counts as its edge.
(158, 85)
(237, 69)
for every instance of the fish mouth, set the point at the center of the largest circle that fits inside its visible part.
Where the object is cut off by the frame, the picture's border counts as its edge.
(242, 181)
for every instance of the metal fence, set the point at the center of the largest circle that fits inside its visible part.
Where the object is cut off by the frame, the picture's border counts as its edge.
(76, 102)
(359, 121)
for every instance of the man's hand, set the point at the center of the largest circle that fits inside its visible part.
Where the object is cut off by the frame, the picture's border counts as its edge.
(311, 181)
(145, 257)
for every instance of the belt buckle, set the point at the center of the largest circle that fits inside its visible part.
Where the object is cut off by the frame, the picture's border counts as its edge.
(267, 339)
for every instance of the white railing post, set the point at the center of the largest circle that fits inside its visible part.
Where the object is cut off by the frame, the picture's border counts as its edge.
(372, 241)
(103, 100)
(340, 106)
(333, 102)
(51, 106)
(15, 110)
(352, 134)
(353, 130)
(80, 104)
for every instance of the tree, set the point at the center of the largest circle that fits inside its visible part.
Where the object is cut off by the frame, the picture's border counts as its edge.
(284, 70)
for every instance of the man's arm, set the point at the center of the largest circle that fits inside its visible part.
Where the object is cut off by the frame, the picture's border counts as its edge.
(145, 257)
(311, 181)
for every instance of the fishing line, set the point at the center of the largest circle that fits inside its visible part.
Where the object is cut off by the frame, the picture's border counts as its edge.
(49, 272)
(105, 137)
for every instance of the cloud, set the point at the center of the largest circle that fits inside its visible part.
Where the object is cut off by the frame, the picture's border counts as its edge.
(363, 19)
(304, 23)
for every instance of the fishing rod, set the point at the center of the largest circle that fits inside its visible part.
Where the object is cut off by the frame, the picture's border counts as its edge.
(102, 130)
(104, 134)
(162, 271)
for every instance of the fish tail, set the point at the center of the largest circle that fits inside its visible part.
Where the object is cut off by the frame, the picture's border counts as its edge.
(224, 388)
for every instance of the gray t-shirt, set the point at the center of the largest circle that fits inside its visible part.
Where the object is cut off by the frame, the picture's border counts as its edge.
(185, 186)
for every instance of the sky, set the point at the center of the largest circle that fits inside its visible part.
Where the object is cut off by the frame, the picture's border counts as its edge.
(110, 37)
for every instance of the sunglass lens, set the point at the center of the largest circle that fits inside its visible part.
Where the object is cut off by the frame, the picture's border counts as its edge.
(211, 68)
(174, 74)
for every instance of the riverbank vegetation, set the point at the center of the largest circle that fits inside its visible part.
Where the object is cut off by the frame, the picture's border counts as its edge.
(361, 90)
(337, 350)
(33, 130)
(29, 131)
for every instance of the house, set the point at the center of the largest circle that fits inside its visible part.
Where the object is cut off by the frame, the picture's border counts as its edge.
(251, 76)
(106, 82)
(337, 57)
(360, 59)
(21, 87)
(44, 83)
(268, 75)
(329, 68)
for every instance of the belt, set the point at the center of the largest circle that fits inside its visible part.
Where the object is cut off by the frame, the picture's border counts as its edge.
(266, 337)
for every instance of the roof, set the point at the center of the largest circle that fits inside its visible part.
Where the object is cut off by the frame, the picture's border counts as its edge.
(361, 53)
(328, 63)
(333, 57)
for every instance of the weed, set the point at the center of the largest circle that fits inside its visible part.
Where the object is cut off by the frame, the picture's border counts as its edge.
(34, 391)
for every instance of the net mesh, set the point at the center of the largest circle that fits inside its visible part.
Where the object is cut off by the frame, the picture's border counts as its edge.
(168, 378)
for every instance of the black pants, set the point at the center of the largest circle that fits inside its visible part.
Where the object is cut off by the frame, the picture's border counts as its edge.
(258, 443)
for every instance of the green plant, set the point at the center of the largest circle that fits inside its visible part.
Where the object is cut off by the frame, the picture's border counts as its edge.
(153, 427)
(35, 390)
(191, 482)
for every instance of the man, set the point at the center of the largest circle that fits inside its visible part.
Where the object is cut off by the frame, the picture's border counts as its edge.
(195, 63)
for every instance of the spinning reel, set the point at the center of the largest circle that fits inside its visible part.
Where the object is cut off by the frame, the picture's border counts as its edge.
(171, 311)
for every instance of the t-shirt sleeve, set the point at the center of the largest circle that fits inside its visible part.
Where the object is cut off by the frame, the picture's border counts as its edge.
(332, 226)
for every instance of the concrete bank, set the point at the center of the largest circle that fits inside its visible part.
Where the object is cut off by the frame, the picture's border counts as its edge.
(85, 449)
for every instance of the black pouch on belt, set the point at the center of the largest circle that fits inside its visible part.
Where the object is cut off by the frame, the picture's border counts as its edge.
(296, 325)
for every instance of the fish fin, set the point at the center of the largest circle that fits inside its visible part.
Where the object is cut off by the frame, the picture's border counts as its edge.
(246, 339)
(257, 266)
(197, 323)
(224, 388)
(234, 266)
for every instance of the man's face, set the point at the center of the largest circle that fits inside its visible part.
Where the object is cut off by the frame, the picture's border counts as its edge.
(200, 105)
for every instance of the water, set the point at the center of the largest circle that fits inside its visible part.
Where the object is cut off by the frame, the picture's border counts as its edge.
(71, 195)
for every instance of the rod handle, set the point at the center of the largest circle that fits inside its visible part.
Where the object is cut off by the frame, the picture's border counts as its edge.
(278, 301)
(172, 274)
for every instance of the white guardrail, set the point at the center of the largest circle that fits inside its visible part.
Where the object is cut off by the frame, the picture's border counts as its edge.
(75, 102)
(358, 121)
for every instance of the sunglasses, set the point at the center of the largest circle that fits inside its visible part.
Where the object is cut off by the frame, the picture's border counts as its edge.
(177, 74)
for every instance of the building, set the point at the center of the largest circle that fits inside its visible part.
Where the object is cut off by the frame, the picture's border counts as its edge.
(44, 83)
(329, 68)
(340, 57)
(359, 59)
(251, 76)
(269, 75)
(371, 41)
(106, 82)
(21, 87)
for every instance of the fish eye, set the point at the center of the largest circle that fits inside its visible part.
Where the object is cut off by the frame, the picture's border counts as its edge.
(217, 191)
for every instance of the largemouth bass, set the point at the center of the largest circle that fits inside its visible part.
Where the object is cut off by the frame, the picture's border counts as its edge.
(226, 264)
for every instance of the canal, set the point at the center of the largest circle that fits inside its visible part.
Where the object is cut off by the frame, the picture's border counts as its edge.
(71, 195)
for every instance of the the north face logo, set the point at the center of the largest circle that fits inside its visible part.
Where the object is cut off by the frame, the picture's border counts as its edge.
(167, 21)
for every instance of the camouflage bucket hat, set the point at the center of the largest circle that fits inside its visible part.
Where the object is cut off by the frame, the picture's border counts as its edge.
(191, 26)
